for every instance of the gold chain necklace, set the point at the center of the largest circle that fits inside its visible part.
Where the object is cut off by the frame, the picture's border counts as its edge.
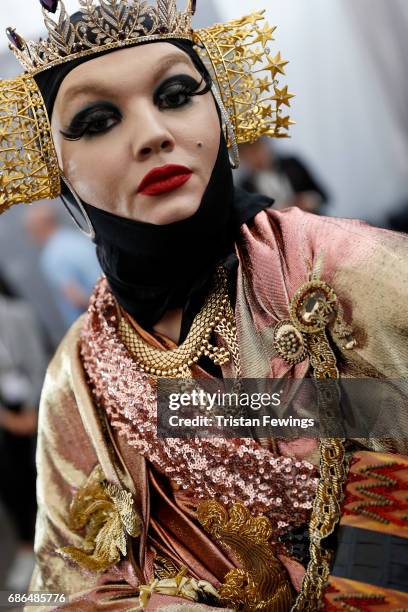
(216, 315)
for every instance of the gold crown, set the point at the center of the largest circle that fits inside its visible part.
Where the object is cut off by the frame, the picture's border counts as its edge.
(107, 24)
(244, 71)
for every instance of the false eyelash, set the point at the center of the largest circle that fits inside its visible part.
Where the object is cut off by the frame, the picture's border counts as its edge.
(84, 119)
(188, 85)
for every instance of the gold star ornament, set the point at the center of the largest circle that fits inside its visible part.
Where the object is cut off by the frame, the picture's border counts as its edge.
(265, 35)
(284, 122)
(276, 65)
(253, 18)
(264, 85)
(282, 96)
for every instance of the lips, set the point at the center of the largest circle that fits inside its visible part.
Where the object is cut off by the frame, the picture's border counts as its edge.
(164, 179)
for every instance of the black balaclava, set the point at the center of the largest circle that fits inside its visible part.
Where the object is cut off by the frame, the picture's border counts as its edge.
(153, 268)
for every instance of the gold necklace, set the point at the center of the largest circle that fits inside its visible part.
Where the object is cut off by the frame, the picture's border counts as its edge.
(216, 315)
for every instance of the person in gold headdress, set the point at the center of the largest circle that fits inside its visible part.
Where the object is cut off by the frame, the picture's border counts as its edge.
(134, 119)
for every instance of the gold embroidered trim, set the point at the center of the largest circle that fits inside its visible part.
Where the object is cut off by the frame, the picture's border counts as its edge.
(164, 568)
(108, 516)
(262, 583)
(315, 306)
(325, 516)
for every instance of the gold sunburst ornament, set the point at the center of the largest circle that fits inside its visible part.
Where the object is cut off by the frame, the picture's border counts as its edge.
(237, 54)
(239, 59)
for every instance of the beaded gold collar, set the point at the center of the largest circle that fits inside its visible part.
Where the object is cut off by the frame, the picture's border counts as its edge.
(216, 315)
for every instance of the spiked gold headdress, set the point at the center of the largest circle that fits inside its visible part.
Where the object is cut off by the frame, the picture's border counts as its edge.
(236, 53)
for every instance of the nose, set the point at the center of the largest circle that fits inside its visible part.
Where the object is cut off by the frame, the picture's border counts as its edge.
(151, 135)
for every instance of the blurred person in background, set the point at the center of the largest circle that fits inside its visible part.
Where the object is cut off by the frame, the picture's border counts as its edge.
(68, 261)
(22, 368)
(398, 219)
(284, 179)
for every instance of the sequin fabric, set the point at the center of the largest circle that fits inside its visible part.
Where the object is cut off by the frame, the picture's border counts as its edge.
(225, 469)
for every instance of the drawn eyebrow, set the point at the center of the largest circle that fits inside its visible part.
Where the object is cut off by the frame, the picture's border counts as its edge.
(103, 90)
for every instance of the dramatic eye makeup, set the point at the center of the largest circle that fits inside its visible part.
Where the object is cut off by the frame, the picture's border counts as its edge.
(96, 118)
(177, 91)
(100, 117)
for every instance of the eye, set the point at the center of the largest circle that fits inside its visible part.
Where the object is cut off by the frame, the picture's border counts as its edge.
(92, 121)
(100, 122)
(173, 97)
(177, 91)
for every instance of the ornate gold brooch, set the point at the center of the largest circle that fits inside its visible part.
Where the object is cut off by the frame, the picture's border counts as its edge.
(314, 307)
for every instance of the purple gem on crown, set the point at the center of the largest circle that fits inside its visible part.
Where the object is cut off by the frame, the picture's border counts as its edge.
(50, 5)
(15, 39)
(194, 6)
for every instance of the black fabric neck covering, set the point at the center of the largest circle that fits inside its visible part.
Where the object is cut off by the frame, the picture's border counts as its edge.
(154, 268)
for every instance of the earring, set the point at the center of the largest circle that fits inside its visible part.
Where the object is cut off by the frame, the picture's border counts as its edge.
(234, 160)
(75, 208)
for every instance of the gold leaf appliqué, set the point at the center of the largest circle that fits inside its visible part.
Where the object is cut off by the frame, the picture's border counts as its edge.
(107, 515)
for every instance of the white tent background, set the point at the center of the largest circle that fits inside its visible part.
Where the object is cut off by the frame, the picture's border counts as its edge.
(348, 68)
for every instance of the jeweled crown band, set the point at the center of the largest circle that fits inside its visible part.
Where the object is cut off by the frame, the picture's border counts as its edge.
(102, 25)
(28, 161)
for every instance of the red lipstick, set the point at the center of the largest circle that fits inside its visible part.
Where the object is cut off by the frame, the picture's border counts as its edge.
(164, 179)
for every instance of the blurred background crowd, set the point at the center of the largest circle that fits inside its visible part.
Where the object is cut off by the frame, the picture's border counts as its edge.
(348, 156)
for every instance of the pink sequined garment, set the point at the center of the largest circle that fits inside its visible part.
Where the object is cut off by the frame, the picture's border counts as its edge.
(227, 470)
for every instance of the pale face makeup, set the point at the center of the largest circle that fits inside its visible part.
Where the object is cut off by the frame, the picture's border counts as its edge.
(121, 116)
